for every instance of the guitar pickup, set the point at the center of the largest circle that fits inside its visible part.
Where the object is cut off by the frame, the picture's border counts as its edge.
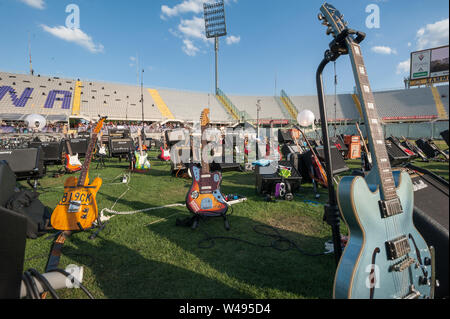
(74, 206)
(397, 248)
(390, 207)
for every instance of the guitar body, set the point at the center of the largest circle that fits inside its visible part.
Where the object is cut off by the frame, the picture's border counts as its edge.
(358, 201)
(73, 163)
(320, 175)
(142, 162)
(165, 155)
(78, 206)
(204, 196)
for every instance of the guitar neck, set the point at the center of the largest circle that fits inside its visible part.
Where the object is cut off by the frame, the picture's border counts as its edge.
(372, 121)
(205, 164)
(87, 161)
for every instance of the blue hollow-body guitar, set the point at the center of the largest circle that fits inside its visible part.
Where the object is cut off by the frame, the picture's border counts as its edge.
(385, 257)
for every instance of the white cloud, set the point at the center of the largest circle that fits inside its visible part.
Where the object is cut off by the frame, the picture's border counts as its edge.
(193, 28)
(189, 48)
(187, 6)
(233, 39)
(74, 35)
(404, 67)
(433, 35)
(38, 4)
(383, 50)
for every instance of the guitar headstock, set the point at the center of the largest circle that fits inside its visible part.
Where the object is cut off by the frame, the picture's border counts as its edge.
(99, 125)
(204, 118)
(333, 19)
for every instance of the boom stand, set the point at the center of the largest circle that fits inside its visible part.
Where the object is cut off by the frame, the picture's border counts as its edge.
(331, 214)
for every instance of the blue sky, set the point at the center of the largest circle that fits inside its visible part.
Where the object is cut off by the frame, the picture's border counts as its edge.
(267, 40)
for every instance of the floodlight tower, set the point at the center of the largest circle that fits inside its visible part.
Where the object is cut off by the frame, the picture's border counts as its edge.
(215, 26)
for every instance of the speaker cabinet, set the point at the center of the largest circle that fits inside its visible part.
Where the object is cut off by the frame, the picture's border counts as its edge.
(79, 146)
(25, 163)
(121, 146)
(284, 136)
(52, 151)
(12, 252)
(337, 161)
(7, 183)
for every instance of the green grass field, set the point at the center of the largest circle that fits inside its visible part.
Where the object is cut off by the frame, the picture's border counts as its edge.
(146, 255)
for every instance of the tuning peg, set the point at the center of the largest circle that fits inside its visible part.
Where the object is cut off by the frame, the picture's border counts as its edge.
(320, 16)
(329, 30)
(326, 23)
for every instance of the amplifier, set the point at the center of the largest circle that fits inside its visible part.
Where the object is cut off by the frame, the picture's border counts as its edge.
(175, 136)
(428, 147)
(52, 151)
(287, 149)
(13, 228)
(8, 183)
(121, 145)
(119, 133)
(79, 146)
(25, 163)
(84, 135)
(337, 160)
(284, 136)
(349, 139)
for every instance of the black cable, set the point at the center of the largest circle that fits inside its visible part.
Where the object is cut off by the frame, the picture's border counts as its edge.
(32, 286)
(44, 282)
(65, 273)
(26, 281)
(275, 244)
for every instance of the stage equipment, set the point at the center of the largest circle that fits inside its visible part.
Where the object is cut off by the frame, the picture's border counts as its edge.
(119, 133)
(428, 147)
(120, 146)
(431, 206)
(78, 145)
(52, 151)
(215, 26)
(269, 182)
(397, 260)
(26, 163)
(35, 122)
(339, 164)
(444, 135)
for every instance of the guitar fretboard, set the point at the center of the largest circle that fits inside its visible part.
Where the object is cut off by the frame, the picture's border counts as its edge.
(373, 124)
(87, 161)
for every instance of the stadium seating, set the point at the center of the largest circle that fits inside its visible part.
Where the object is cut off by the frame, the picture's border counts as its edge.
(60, 98)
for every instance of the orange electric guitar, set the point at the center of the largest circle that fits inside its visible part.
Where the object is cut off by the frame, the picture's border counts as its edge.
(77, 210)
(204, 197)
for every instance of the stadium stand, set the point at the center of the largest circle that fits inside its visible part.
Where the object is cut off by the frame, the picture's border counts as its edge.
(58, 99)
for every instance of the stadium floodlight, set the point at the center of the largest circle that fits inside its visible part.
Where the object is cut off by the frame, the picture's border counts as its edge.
(215, 26)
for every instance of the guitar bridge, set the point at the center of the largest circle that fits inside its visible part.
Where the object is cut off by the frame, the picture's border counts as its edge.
(390, 207)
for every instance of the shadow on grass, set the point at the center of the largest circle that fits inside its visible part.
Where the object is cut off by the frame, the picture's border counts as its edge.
(267, 265)
(123, 273)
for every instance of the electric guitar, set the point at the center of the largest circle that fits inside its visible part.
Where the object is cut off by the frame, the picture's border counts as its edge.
(165, 152)
(319, 175)
(204, 196)
(385, 257)
(73, 164)
(142, 162)
(77, 209)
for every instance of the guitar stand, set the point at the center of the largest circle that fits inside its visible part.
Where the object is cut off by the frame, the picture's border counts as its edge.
(100, 161)
(194, 221)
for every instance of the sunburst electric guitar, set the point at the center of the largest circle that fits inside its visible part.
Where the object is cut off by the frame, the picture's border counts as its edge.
(204, 197)
(385, 257)
(77, 209)
(73, 164)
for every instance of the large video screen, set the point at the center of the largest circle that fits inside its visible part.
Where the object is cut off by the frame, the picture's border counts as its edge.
(430, 64)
